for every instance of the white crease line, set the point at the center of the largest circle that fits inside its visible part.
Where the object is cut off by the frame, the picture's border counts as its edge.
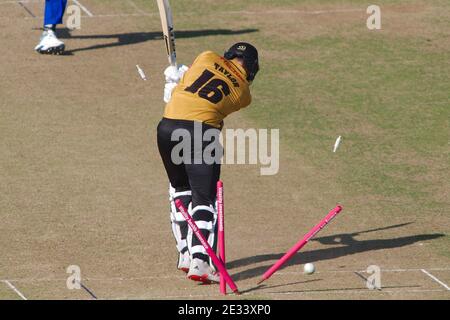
(118, 15)
(293, 11)
(9, 284)
(188, 14)
(98, 279)
(363, 271)
(265, 12)
(131, 2)
(438, 269)
(21, 1)
(183, 277)
(124, 15)
(408, 270)
(436, 279)
(135, 279)
(83, 8)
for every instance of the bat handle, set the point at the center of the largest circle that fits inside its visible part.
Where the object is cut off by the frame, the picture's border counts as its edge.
(172, 61)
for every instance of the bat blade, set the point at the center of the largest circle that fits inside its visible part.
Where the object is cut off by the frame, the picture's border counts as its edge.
(165, 13)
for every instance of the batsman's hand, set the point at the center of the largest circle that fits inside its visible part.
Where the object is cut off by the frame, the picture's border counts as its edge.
(174, 74)
(168, 88)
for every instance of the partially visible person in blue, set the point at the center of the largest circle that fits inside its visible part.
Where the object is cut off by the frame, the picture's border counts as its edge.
(49, 43)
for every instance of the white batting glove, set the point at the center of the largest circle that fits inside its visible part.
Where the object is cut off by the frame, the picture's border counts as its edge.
(168, 88)
(174, 74)
(182, 69)
(171, 74)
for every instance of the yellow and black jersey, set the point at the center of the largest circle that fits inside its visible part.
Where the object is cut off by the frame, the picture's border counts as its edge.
(211, 89)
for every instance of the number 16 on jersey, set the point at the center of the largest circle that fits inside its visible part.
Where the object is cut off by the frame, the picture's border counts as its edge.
(167, 25)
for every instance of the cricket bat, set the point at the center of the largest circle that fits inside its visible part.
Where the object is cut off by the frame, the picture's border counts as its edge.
(167, 25)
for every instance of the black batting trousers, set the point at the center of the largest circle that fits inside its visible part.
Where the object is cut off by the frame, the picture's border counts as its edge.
(194, 172)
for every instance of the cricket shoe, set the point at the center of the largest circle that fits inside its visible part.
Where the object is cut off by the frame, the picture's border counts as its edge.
(50, 44)
(201, 271)
(184, 261)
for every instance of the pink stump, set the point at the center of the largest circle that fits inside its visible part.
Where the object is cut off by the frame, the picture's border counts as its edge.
(221, 235)
(301, 243)
(223, 271)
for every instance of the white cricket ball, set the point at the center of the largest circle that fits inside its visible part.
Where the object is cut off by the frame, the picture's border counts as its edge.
(309, 268)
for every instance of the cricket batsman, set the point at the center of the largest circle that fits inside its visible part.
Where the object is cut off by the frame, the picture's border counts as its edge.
(49, 43)
(200, 97)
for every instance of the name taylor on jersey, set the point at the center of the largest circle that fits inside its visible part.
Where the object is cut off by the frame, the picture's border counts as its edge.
(227, 74)
(211, 89)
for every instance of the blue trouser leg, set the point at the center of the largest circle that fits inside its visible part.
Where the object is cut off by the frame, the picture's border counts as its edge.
(54, 11)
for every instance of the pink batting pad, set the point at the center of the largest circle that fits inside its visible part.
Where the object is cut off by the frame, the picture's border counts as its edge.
(223, 271)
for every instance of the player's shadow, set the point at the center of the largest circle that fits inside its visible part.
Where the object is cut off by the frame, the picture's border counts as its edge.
(343, 245)
(123, 39)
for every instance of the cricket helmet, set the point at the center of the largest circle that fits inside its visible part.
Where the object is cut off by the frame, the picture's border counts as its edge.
(248, 53)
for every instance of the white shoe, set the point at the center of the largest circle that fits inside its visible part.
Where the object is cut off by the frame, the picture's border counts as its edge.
(50, 44)
(200, 270)
(184, 261)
